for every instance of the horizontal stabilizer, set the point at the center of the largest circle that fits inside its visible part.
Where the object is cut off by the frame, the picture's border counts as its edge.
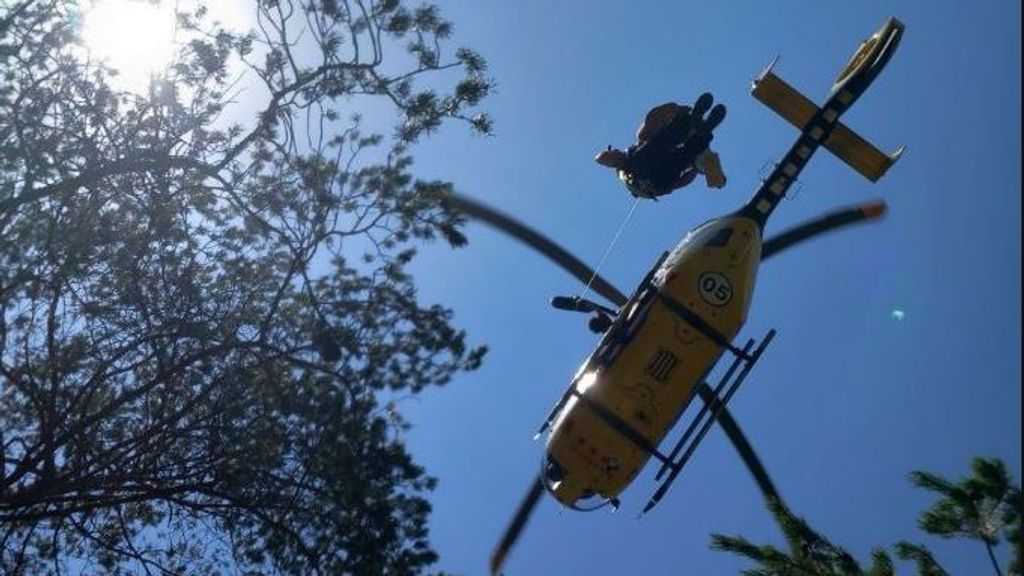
(860, 154)
(846, 144)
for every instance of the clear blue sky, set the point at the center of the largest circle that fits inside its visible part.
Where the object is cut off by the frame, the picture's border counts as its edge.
(847, 400)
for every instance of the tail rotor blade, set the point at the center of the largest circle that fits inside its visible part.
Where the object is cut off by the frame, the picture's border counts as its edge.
(864, 212)
(515, 527)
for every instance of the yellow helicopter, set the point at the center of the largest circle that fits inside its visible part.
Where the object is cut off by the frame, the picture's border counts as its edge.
(661, 344)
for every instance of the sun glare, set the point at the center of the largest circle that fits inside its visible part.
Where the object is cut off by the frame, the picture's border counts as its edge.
(134, 37)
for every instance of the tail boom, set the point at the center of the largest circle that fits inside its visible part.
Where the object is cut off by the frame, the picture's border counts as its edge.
(821, 126)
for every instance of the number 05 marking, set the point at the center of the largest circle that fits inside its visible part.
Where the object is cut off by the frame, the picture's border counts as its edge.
(715, 289)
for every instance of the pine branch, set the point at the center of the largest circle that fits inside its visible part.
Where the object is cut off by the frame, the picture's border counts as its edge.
(920, 555)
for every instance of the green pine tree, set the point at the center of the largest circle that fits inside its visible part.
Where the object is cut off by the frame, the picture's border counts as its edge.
(920, 556)
(983, 507)
(809, 553)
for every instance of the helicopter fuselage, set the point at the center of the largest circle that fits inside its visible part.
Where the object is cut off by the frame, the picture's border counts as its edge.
(667, 338)
(664, 342)
(647, 367)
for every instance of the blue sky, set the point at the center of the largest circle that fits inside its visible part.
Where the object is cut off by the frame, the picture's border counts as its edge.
(847, 400)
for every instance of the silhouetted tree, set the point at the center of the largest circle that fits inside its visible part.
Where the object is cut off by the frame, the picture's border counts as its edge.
(921, 556)
(984, 506)
(197, 318)
(809, 553)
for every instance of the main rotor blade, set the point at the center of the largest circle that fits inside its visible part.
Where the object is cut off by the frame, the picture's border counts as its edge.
(540, 243)
(828, 222)
(739, 441)
(515, 527)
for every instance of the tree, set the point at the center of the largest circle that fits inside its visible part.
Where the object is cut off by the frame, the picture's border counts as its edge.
(921, 556)
(199, 319)
(809, 552)
(983, 507)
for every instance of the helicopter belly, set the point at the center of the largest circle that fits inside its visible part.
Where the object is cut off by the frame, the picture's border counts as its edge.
(646, 369)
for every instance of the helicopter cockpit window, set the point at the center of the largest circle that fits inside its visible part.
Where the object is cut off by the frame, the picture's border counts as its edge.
(707, 235)
(698, 234)
(718, 239)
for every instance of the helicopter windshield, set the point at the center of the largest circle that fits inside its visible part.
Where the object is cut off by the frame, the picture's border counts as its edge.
(707, 235)
(697, 233)
(717, 239)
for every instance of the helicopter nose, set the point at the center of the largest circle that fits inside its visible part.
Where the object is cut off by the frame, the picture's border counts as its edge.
(566, 488)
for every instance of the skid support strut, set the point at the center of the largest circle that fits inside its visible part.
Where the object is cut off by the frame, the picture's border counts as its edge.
(702, 422)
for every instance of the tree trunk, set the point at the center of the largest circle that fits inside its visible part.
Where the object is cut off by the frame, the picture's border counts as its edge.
(992, 557)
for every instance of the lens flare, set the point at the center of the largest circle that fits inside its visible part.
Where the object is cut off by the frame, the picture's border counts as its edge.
(134, 37)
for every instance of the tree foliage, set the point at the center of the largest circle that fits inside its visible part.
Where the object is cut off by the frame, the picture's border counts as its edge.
(984, 507)
(922, 558)
(808, 553)
(199, 318)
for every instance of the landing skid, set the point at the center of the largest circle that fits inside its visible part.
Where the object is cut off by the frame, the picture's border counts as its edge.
(695, 432)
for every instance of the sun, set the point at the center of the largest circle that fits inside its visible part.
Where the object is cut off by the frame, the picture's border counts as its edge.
(134, 37)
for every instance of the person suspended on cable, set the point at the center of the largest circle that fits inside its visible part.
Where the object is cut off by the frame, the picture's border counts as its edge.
(672, 147)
